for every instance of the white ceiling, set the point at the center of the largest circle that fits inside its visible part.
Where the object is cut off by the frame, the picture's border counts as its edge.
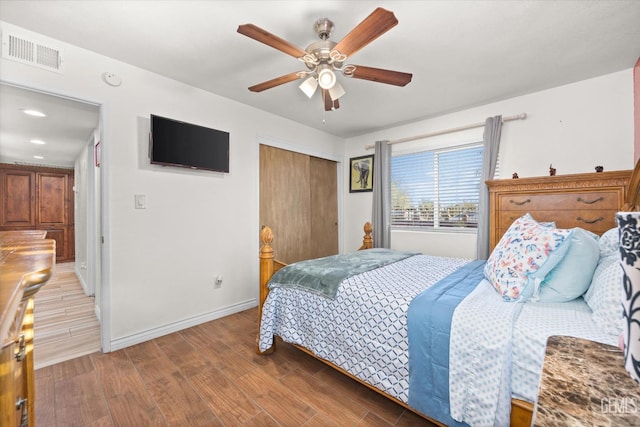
(66, 129)
(461, 53)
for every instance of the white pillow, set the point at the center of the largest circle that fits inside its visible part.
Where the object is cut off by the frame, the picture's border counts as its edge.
(604, 295)
(609, 242)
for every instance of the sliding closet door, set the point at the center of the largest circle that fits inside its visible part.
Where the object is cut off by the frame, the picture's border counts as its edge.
(285, 201)
(298, 200)
(324, 207)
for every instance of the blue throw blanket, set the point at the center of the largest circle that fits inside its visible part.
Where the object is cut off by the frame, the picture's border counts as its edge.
(429, 326)
(323, 275)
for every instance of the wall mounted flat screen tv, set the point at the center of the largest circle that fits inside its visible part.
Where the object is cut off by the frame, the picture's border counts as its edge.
(176, 143)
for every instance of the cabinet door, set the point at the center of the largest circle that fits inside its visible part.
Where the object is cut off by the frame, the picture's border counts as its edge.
(59, 235)
(18, 198)
(52, 199)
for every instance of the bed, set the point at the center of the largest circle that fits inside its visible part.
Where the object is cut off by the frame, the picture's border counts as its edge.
(478, 359)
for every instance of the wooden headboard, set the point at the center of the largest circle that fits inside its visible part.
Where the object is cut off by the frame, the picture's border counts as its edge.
(588, 200)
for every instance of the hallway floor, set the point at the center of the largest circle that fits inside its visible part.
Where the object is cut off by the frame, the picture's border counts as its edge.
(65, 321)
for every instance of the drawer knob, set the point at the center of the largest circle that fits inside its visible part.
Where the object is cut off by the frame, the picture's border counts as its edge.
(590, 221)
(22, 348)
(590, 202)
(21, 405)
(520, 203)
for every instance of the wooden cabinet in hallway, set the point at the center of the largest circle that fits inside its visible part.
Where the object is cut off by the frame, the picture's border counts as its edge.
(39, 198)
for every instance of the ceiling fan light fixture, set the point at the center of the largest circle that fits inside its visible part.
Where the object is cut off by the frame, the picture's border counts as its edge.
(309, 86)
(326, 76)
(336, 91)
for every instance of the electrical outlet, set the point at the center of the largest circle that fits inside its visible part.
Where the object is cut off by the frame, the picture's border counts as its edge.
(218, 281)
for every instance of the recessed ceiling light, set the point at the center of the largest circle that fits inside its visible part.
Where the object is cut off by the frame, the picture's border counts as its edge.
(34, 113)
(38, 157)
(37, 141)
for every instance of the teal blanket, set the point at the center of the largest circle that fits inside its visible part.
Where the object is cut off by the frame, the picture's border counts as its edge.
(323, 275)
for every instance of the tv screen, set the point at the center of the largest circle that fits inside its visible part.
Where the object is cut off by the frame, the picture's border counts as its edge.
(176, 143)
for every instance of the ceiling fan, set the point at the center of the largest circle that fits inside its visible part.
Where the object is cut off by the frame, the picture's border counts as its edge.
(324, 58)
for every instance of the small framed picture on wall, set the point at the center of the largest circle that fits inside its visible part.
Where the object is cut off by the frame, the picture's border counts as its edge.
(361, 174)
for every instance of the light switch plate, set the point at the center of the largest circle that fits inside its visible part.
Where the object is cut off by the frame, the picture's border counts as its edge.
(140, 201)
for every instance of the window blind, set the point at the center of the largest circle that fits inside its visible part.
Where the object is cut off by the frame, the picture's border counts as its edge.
(436, 189)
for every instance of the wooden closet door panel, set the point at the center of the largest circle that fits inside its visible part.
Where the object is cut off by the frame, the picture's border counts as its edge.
(285, 202)
(18, 199)
(59, 235)
(52, 198)
(324, 207)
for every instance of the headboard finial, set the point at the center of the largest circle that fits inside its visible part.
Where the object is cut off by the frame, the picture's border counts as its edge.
(632, 203)
(266, 236)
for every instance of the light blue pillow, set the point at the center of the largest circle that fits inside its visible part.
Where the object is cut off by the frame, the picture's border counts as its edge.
(572, 276)
(524, 255)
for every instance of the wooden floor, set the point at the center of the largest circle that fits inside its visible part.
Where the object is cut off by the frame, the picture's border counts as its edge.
(208, 375)
(65, 324)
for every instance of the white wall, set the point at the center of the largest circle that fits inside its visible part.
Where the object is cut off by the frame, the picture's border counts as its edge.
(574, 127)
(160, 262)
(80, 198)
(86, 211)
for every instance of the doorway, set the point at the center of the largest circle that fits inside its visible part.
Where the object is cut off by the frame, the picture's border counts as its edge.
(63, 137)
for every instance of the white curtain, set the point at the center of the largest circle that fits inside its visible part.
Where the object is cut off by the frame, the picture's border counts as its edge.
(381, 216)
(491, 137)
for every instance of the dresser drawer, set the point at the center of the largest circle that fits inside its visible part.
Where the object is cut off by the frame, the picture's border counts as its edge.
(597, 222)
(565, 201)
(563, 218)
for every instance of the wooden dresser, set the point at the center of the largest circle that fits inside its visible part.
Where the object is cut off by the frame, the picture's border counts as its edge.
(26, 264)
(590, 200)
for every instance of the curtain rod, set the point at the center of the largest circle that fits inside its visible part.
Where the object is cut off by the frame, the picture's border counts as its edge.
(520, 116)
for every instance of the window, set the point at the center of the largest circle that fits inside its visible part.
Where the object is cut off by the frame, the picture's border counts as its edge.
(436, 189)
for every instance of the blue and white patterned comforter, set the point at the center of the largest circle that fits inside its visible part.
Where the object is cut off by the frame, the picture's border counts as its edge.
(364, 329)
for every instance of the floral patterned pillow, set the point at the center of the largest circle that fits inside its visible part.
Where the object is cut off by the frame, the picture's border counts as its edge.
(523, 256)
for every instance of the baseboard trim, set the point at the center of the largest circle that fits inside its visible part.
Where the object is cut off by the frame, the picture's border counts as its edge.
(120, 343)
(85, 288)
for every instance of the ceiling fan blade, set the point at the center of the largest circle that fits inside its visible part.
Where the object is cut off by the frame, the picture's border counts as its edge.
(329, 104)
(379, 75)
(272, 40)
(373, 26)
(277, 81)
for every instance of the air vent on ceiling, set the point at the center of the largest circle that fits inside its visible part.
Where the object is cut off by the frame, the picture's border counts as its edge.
(31, 52)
